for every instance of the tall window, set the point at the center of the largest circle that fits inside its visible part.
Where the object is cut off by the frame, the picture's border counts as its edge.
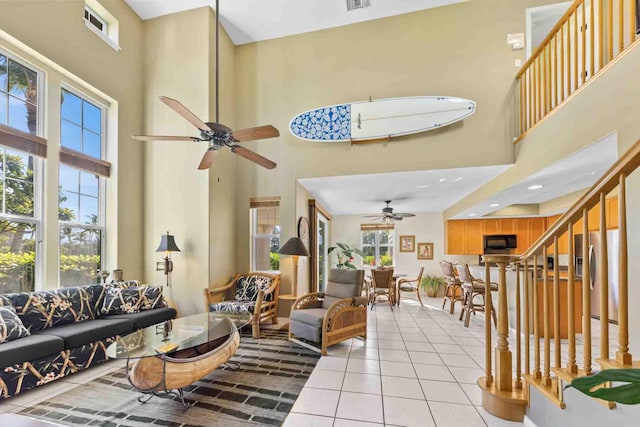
(19, 212)
(377, 244)
(81, 193)
(265, 234)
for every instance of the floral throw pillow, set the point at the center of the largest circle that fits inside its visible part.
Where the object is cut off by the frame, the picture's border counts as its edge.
(247, 287)
(11, 327)
(122, 300)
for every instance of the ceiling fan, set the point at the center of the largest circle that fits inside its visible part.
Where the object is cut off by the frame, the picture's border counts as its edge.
(388, 216)
(216, 134)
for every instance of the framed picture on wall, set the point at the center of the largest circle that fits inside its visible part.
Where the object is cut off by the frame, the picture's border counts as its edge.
(425, 250)
(407, 243)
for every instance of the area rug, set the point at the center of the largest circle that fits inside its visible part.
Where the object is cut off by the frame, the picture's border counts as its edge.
(261, 391)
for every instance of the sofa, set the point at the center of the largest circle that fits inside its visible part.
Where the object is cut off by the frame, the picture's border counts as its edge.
(48, 335)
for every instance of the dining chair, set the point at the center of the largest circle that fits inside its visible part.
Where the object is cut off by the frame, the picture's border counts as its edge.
(410, 285)
(453, 290)
(382, 285)
(473, 288)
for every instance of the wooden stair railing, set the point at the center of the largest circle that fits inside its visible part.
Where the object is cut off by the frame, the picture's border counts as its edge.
(506, 397)
(588, 37)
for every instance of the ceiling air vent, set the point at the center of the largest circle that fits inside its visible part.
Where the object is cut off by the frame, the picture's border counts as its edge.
(358, 4)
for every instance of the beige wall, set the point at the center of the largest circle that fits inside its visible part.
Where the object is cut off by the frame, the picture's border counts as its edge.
(427, 227)
(437, 51)
(196, 206)
(47, 33)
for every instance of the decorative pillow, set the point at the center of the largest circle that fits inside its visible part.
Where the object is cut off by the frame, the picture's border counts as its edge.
(96, 296)
(122, 300)
(44, 309)
(152, 298)
(11, 327)
(247, 287)
(125, 284)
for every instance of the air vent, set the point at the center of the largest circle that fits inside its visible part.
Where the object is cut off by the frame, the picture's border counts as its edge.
(358, 4)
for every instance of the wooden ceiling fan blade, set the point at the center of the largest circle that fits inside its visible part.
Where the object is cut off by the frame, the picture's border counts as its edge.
(251, 134)
(253, 156)
(179, 108)
(207, 159)
(404, 214)
(163, 138)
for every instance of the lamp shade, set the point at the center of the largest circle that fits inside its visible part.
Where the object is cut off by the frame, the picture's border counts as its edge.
(167, 244)
(294, 246)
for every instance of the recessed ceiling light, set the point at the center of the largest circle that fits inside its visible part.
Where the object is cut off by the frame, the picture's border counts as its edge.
(472, 214)
(422, 186)
(494, 205)
(457, 179)
(593, 173)
(535, 187)
(442, 179)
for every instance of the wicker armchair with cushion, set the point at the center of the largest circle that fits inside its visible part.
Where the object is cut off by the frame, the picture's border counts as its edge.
(255, 293)
(333, 316)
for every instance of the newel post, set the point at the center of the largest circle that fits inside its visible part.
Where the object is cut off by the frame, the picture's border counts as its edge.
(498, 396)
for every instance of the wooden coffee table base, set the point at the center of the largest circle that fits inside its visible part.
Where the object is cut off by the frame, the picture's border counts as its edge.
(164, 375)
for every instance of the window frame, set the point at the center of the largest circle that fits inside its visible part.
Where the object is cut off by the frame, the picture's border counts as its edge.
(38, 173)
(391, 244)
(253, 236)
(102, 180)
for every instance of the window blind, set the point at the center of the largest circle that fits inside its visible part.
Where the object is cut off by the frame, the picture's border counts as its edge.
(375, 227)
(82, 161)
(264, 202)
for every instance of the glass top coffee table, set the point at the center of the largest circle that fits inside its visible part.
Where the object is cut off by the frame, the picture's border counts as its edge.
(163, 359)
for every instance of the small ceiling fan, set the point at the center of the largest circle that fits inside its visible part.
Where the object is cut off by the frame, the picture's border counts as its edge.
(216, 134)
(388, 216)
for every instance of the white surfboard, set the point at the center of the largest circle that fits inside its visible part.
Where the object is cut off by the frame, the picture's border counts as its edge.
(380, 118)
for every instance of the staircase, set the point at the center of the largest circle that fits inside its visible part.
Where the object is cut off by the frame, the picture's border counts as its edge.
(541, 315)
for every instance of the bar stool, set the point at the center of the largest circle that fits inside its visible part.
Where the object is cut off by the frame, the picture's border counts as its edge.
(453, 290)
(473, 288)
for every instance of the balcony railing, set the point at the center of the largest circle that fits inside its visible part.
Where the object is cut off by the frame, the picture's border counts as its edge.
(590, 35)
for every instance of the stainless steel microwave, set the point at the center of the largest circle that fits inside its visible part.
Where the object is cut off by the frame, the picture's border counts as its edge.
(501, 241)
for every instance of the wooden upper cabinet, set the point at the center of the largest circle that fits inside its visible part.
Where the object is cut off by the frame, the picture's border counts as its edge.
(594, 218)
(537, 226)
(490, 226)
(456, 237)
(522, 231)
(508, 226)
(474, 242)
(612, 213)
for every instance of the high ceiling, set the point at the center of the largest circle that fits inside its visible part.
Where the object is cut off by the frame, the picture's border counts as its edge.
(249, 21)
(417, 191)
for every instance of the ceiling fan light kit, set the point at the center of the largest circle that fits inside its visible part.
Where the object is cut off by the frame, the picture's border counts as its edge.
(216, 134)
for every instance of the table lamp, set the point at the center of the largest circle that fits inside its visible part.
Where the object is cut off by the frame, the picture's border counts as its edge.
(295, 248)
(167, 245)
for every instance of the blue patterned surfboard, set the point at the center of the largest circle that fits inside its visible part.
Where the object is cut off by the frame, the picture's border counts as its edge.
(380, 118)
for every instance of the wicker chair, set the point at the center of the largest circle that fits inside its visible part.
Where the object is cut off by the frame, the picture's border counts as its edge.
(255, 293)
(453, 290)
(410, 285)
(473, 288)
(382, 285)
(332, 316)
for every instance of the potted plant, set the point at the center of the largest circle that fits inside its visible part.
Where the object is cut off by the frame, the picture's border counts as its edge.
(346, 255)
(627, 391)
(432, 285)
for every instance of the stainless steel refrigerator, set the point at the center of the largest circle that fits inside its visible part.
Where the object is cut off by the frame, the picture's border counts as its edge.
(595, 266)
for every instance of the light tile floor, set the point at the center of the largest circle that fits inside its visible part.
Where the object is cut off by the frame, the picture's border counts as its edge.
(418, 367)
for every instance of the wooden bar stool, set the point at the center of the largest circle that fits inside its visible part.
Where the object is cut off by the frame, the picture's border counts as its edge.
(473, 288)
(453, 290)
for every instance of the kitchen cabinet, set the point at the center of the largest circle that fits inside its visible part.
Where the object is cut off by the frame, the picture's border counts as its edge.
(456, 237)
(538, 225)
(522, 231)
(612, 213)
(507, 226)
(474, 242)
(491, 226)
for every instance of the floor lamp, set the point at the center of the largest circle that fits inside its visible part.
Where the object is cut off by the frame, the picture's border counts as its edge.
(167, 245)
(294, 248)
